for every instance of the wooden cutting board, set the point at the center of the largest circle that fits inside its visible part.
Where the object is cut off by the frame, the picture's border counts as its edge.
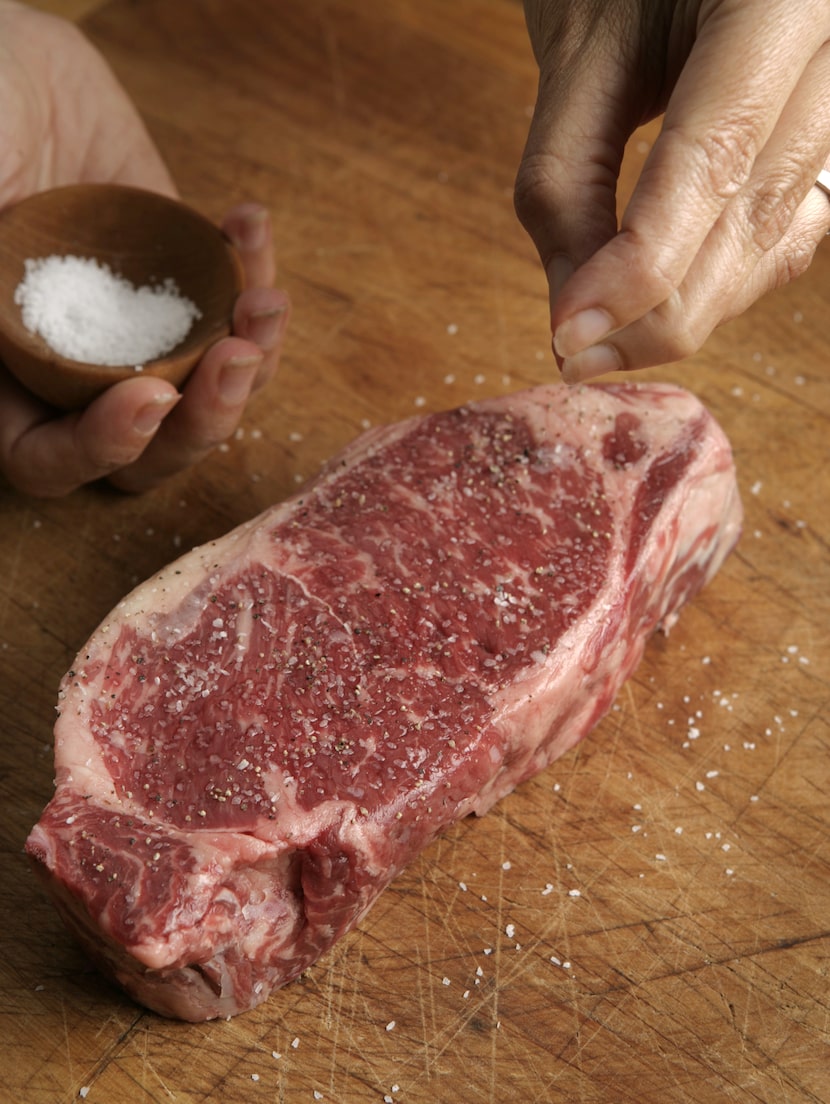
(692, 966)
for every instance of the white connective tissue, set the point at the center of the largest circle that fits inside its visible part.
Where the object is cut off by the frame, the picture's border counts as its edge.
(85, 312)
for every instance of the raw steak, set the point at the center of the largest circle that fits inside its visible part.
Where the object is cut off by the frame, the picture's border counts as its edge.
(258, 739)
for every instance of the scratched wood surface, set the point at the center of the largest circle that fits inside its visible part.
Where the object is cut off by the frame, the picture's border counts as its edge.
(692, 966)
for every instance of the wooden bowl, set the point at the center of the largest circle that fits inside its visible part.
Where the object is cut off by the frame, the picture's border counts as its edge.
(140, 235)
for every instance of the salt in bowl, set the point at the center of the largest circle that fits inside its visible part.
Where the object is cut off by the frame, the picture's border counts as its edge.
(142, 236)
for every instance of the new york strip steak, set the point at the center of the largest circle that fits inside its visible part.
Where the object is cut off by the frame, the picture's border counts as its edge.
(257, 740)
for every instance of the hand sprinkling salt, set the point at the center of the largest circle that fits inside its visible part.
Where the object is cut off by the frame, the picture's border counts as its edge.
(85, 312)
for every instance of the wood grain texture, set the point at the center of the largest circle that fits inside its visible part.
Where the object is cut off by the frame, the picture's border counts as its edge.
(693, 966)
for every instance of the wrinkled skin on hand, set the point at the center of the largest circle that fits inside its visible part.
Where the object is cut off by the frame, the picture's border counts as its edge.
(725, 207)
(65, 119)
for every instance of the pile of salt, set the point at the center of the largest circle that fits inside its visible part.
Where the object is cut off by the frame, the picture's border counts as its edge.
(85, 312)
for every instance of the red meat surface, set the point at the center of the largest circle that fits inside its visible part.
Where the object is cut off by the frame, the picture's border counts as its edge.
(258, 739)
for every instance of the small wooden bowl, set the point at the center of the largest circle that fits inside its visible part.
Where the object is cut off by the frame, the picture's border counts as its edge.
(142, 236)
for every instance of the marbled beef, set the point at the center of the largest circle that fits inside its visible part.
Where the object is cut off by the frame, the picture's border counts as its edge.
(258, 739)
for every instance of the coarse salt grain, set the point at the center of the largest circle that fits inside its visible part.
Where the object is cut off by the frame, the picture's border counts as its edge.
(86, 312)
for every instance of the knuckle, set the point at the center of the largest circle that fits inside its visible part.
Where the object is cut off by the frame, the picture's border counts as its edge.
(722, 158)
(536, 187)
(773, 205)
(794, 261)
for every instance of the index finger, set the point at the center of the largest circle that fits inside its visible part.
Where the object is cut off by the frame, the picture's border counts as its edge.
(741, 71)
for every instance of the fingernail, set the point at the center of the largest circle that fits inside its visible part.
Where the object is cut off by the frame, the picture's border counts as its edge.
(150, 416)
(236, 378)
(590, 363)
(584, 329)
(264, 327)
(251, 232)
(560, 271)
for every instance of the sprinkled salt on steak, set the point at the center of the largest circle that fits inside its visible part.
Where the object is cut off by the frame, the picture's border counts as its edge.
(258, 739)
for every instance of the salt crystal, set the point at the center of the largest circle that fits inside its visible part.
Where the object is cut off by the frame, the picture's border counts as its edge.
(390, 1026)
(574, 893)
(83, 1091)
(86, 312)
